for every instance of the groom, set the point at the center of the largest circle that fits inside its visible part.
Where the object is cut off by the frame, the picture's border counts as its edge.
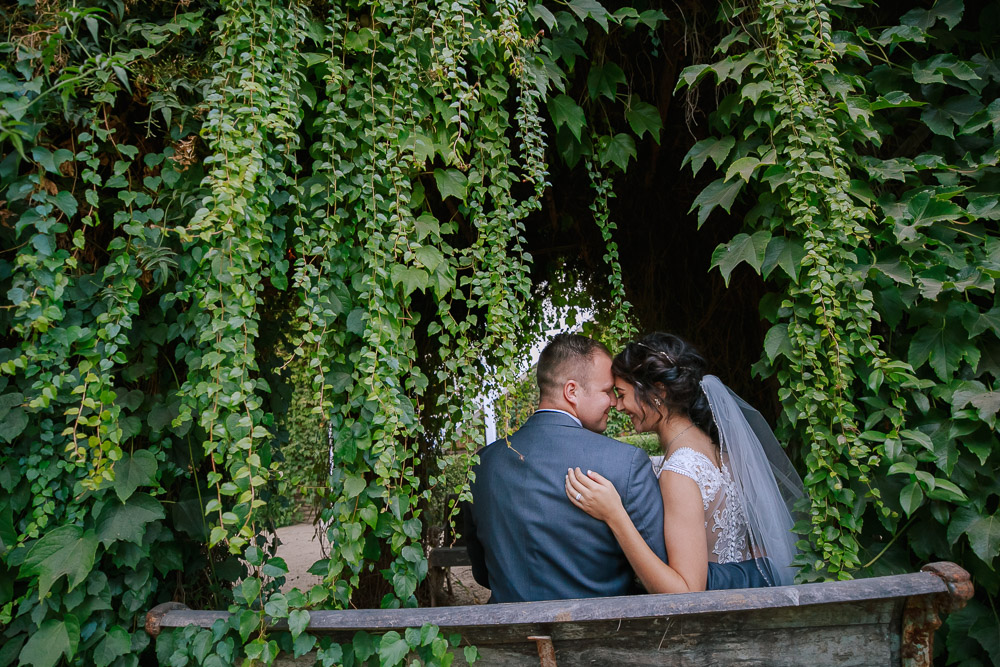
(526, 541)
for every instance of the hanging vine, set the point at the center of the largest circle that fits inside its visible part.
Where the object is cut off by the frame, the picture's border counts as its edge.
(182, 185)
(882, 353)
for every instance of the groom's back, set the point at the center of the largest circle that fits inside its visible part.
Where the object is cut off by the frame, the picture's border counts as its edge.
(528, 542)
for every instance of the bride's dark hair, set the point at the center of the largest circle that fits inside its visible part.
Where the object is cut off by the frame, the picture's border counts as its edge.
(666, 367)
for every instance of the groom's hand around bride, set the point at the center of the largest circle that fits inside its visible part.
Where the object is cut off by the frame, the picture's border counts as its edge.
(594, 494)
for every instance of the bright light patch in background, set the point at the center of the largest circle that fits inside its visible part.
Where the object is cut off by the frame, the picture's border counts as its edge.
(561, 316)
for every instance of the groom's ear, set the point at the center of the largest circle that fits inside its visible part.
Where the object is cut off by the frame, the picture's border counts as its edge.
(570, 389)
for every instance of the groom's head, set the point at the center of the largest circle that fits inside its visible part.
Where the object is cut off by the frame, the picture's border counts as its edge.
(574, 374)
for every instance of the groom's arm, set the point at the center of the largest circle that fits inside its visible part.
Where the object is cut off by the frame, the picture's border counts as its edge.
(477, 555)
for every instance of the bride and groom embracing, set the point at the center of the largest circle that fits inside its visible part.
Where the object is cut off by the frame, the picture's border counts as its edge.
(560, 511)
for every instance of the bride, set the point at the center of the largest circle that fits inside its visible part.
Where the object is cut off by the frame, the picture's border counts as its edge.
(728, 488)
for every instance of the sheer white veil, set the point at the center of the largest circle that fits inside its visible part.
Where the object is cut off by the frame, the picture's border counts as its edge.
(767, 483)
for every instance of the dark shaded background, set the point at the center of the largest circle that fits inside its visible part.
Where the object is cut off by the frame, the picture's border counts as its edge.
(665, 257)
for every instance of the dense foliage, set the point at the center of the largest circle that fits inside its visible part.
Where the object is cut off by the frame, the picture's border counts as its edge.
(868, 143)
(191, 188)
(205, 201)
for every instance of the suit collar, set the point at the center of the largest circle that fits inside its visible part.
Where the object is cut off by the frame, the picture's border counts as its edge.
(551, 416)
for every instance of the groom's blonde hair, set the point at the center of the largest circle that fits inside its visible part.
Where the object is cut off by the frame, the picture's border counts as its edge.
(566, 358)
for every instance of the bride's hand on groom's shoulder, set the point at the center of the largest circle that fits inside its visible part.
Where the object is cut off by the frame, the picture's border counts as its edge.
(594, 494)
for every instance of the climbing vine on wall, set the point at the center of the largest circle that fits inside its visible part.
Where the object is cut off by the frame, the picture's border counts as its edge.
(870, 154)
(187, 190)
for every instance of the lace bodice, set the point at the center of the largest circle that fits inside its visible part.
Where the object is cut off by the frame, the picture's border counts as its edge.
(725, 520)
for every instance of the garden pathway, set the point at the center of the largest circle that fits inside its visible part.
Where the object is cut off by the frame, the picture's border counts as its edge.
(300, 548)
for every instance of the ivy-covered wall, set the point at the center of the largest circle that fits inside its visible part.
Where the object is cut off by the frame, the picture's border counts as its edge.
(203, 199)
(864, 138)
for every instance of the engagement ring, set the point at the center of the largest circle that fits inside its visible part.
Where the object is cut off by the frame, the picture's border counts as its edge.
(579, 495)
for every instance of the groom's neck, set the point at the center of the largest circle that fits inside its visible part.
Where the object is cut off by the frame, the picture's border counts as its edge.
(557, 405)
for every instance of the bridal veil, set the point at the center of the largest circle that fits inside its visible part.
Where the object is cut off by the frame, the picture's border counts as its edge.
(767, 483)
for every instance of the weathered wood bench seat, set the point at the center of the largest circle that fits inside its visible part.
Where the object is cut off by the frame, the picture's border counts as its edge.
(878, 621)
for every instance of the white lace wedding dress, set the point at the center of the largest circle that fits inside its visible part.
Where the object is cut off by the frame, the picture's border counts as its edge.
(725, 519)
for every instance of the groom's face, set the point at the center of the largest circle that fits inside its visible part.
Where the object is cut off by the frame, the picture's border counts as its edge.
(596, 395)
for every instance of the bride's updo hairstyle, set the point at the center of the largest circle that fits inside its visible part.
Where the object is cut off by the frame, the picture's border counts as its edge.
(666, 367)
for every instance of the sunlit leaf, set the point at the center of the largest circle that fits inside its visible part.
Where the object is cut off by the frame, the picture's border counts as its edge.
(743, 248)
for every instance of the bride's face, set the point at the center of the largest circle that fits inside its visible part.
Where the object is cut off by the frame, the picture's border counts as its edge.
(644, 417)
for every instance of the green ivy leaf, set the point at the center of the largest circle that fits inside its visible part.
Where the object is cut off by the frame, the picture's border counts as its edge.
(744, 166)
(544, 15)
(935, 69)
(363, 645)
(427, 225)
(894, 100)
(643, 117)
(570, 148)
(392, 649)
(452, 183)
(604, 80)
(8, 535)
(567, 112)
(717, 193)
(331, 655)
(986, 401)
(784, 253)
(591, 8)
(430, 257)
(66, 550)
(423, 147)
(947, 491)
(717, 149)
(895, 270)
(405, 584)
(943, 346)
(354, 485)
(13, 423)
(743, 248)
(66, 203)
(133, 471)
(410, 277)
(924, 209)
(275, 567)
(53, 640)
(127, 521)
(356, 321)
(776, 342)
(982, 530)
(276, 606)
(618, 149)
(911, 497)
(246, 621)
(298, 621)
(303, 644)
(116, 642)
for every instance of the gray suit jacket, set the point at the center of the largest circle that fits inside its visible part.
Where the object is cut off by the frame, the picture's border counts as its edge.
(528, 542)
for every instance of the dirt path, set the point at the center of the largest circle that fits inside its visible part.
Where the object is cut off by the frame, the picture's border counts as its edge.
(300, 548)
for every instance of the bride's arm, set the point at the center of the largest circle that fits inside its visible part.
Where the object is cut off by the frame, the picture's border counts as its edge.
(686, 535)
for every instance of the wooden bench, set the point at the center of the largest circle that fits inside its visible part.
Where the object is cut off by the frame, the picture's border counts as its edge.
(878, 621)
